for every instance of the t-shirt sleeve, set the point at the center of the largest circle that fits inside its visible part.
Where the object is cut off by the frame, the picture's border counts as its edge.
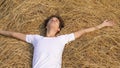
(30, 38)
(67, 38)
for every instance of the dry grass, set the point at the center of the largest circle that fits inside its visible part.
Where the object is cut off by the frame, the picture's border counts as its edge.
(100, 49)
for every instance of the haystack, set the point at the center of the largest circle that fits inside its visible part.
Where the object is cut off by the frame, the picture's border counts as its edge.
(99, 49)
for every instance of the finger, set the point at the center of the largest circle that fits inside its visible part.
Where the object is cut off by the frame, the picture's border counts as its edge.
(112, 22)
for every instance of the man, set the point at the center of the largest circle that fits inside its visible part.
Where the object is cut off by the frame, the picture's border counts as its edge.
(48, 49)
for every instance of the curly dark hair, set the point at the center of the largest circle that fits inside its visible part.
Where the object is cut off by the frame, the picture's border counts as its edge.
(61, 24)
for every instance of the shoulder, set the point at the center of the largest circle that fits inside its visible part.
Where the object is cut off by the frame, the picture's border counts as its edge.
(67, 38)
(34, 36)
(65, 35)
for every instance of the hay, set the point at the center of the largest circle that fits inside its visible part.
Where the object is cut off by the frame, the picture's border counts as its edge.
(99, 49)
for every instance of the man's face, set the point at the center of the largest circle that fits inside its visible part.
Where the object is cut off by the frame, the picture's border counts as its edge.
(53, 24)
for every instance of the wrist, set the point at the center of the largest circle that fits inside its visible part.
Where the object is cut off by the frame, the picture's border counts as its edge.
(99, 26)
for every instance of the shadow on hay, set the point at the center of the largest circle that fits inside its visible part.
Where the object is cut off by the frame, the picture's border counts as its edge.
(42, 29)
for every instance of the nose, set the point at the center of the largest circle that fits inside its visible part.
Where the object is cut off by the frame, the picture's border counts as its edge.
(54, 19)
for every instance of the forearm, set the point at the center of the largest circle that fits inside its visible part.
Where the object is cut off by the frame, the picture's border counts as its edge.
(14, 35)
(93, 28)
(84, 31)
(6, 33)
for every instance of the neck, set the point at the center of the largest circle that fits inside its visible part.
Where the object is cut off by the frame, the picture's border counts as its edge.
(50, 34)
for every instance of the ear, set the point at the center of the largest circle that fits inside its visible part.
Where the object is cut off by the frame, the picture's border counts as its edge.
(58, 29)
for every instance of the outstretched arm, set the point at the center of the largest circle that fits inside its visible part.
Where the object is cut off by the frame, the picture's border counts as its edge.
(84, 31)
(13, 34)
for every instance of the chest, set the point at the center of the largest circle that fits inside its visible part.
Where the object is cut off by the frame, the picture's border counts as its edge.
(49, 45)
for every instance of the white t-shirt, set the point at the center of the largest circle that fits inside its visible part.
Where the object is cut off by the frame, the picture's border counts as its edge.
(48, 50)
